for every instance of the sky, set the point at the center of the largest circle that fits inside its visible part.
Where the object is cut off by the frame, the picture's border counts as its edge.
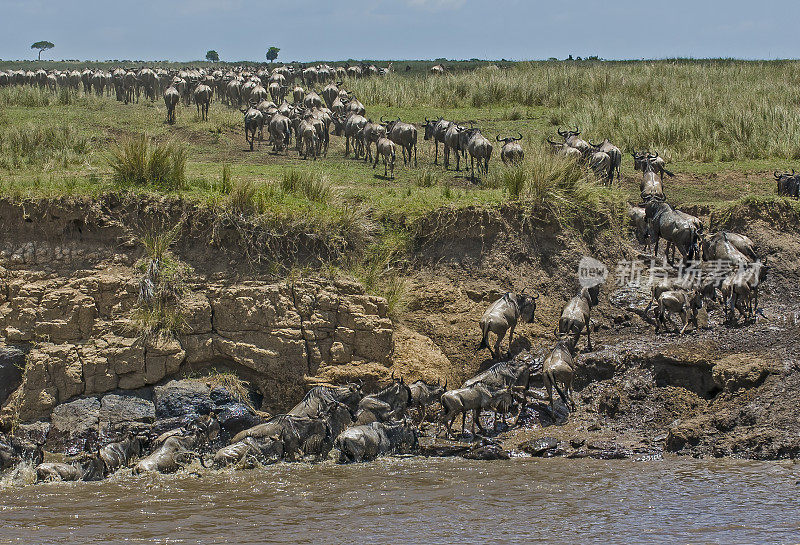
(183, 30)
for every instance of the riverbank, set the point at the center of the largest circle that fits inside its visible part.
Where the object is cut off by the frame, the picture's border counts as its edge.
(72, 271)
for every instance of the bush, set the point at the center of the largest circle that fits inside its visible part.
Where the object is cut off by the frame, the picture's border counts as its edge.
(312, 186)
(136, 162)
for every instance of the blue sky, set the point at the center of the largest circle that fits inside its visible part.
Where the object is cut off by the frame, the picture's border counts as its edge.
(399, 29)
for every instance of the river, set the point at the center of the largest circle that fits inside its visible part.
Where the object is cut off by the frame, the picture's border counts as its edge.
(422, 501)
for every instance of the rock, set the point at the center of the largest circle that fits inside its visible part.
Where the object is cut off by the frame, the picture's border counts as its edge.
(741, 371)
(487, 452)
(118, 409)
(180, 398)
(429, 446)
(34, 432)
(538, 447)
(74, 425)
(12, 362)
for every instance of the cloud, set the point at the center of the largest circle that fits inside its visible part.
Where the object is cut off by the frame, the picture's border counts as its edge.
(436, 5)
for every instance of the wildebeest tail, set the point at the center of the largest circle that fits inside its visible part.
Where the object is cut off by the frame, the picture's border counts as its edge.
(667, 172)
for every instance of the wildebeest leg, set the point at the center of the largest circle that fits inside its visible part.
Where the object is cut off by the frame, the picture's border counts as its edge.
(500, 338)
(436, 152)
(464, 422)
(511, 338)
(685, 318)
(415, 155)
(588, 334)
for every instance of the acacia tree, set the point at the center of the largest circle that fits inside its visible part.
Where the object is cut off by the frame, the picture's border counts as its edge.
(272, 53)
(212, 56)
(42, 46)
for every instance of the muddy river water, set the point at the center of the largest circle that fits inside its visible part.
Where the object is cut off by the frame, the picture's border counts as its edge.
(416, 500)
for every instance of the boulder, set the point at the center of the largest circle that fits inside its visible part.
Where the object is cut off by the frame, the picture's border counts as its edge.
(118, 409)
(539, 447)
(12, 362)
(74, 425)
(180, 398)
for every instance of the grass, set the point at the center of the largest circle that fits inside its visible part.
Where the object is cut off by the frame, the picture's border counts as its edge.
(136, 162)
(158, 315)
(722, 125)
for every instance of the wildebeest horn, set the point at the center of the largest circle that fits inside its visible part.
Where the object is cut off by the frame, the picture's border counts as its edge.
(445, 384)
(775, 173)
(577, 131)
(553, 143)
(520, 137)
(593, 144)
(426, 120)
(560, 133)
(392, 375)
(498, 138)
(536, 296)
(382, 121)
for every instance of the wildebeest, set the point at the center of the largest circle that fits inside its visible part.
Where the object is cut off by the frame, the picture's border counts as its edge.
(367, 442)
(788, 184)
(298, 434)
(389, 403)
(511, 152)
(565, 150)
(437, 70)
(600, 163)
(728, 246)
(643, 158)
(514, 374)
(83, 469)
(435, 129)
(503, 315)
(673, 227)
(559, 367)
(405, 136)
(372, 132)
(424, 394)
(740, 291)
(575, 317)
(571, 139)
(253, 120)
(121, 453)
(474, 398)
(651, 187)
(683, 302)
(202, 98)
(615, 157)
(452, 142)
(250, 452)
(320, 399)
(479, 149)
(306, 136)
(639, 222)
(171, 454)
(385, 148)
(330, 93)
(171, 99)
(13, 451)
(280, 132)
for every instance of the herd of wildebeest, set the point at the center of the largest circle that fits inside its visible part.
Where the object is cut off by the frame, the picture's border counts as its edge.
(340, 421)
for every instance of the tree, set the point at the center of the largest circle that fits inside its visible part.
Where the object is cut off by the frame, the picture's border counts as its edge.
(272, 53)
(212, 56)
(43, 45)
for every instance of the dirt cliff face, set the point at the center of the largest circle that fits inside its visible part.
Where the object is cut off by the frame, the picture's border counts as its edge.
(67, 286)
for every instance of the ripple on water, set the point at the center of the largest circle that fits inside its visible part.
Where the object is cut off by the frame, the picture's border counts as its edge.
(416, 500)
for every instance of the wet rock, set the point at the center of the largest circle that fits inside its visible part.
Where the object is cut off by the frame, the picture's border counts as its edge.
(577, 442)
(180, 398)
(116, 409)
(487, 452)
(34, 432)
(74, 426)
(609, 403)
(682, 435)
(538, 447)
(235, 417)
(429, 446)
(12, 362)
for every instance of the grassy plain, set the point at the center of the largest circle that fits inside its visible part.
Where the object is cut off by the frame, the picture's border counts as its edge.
(722, 125)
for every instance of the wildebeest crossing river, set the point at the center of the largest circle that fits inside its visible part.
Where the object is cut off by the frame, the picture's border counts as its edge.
(418, 500)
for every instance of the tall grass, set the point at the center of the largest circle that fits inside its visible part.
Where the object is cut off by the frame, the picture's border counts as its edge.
(312, 186)
(563, 188)
(137, 162)
(687, 110)
(37, 145)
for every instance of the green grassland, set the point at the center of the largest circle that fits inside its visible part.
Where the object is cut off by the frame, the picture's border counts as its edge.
(722, 125)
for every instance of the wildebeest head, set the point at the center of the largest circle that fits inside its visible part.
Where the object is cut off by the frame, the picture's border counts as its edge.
(566, 135)
(430, 127)
(508, 139)
(527, 306)
(591, 294)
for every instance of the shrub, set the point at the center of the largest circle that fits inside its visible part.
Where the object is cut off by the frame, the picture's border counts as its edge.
(136, 162)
